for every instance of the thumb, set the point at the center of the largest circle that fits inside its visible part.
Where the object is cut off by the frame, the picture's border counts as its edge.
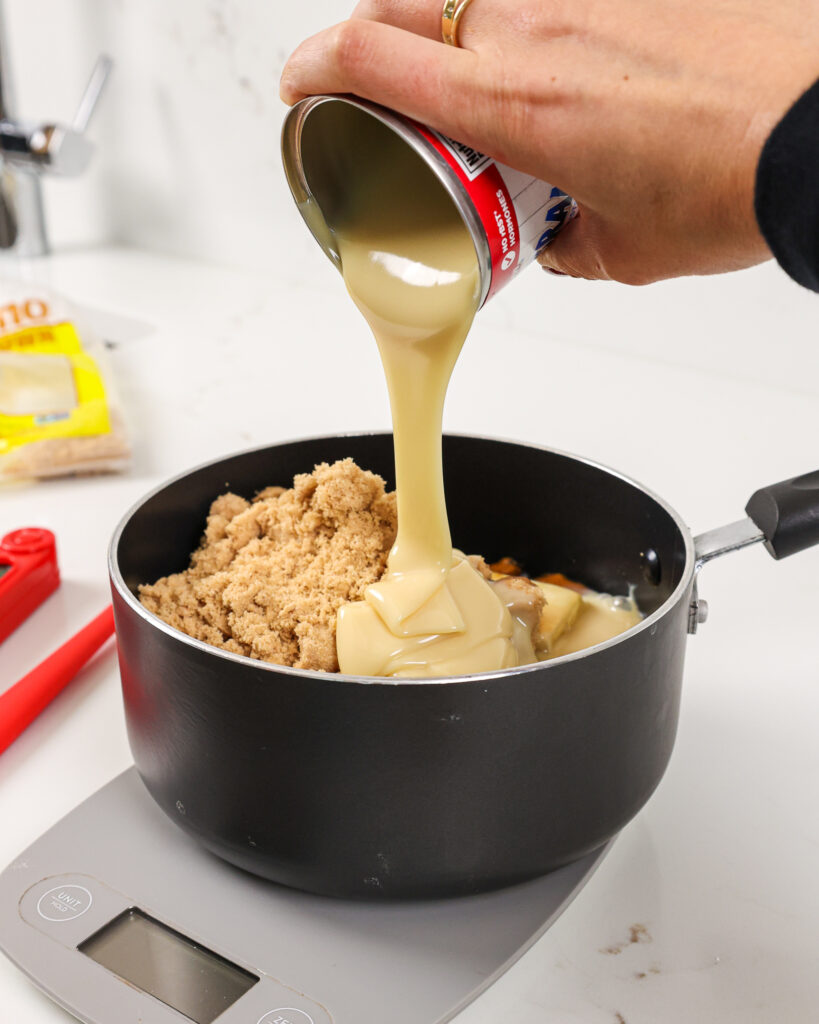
(576, 251)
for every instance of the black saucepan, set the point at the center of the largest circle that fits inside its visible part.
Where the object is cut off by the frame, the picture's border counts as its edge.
(361, 787)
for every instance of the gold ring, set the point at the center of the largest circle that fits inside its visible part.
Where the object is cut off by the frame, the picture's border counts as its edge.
(450, 18)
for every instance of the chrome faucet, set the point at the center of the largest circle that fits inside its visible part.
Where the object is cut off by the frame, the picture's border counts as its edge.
(29, 150)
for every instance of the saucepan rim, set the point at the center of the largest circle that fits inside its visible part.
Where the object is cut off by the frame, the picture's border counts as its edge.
(339, 677)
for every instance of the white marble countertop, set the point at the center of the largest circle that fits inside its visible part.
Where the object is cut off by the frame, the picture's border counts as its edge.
(703, 390)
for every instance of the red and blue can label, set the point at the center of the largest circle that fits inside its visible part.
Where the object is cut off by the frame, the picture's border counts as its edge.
(520, 214)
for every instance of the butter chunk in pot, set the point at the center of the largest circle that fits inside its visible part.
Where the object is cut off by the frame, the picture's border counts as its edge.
(560, 611)
(560, 619)
(587, 620)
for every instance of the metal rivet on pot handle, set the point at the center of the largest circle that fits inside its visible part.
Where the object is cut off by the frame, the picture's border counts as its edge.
(787, 513)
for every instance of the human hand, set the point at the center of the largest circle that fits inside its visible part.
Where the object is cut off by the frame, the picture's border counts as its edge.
(651, 115)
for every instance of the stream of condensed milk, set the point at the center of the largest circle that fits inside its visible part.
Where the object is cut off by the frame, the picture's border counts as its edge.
(411, 267)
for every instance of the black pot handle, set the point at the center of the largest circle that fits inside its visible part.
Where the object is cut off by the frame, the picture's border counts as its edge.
(787, 513)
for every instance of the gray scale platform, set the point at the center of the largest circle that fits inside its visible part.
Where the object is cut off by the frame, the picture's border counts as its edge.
(117, 858)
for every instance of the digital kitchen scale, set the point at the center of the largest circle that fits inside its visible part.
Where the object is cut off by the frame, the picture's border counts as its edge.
(120, 916)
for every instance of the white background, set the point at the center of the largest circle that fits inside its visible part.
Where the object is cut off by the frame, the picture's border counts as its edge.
(233, 330)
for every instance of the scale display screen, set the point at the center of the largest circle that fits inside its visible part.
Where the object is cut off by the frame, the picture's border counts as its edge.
(193, 980)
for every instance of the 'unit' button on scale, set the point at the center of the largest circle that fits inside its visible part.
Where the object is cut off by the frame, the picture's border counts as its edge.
(65, 903)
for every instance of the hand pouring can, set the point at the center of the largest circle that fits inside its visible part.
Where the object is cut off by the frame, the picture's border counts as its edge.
(511, 216)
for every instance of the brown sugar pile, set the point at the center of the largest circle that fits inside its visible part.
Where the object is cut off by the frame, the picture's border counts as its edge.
(271, 573)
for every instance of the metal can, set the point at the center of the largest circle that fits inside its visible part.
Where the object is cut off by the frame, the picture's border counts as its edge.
(510, 216)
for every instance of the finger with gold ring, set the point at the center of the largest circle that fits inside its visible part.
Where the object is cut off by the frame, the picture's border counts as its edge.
(450, 19)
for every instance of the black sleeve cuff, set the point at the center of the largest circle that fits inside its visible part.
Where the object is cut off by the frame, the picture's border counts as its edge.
(786, 200)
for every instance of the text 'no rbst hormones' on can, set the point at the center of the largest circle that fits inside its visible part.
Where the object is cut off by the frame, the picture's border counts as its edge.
(510, 216)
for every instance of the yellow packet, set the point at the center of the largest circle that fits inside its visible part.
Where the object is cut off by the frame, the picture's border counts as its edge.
(57, 413)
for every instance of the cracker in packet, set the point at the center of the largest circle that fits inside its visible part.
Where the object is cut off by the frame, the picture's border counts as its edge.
(59, 413)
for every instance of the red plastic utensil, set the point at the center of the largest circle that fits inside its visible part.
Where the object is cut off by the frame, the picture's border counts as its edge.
(21, 704)
(28, 574)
